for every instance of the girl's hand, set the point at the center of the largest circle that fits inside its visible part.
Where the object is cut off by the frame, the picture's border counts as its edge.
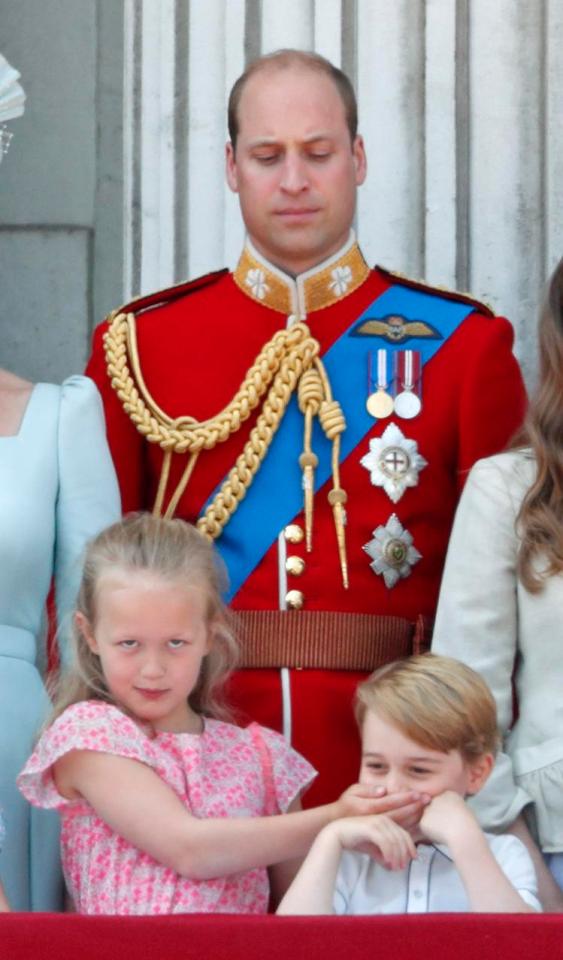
(378, 836)
(361, 799)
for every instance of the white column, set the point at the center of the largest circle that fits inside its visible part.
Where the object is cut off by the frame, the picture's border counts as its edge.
(157, 144)
(328, 29)
(235, 28)
(149, 145)
(506, 161)
(390, 97)
(440, 144)
(287, 23)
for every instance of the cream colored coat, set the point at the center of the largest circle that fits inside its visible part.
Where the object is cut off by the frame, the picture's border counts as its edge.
(490, 621)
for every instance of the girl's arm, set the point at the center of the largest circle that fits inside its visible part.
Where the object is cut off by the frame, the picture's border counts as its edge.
(282, 875)
(132, 799)
(4, 905)
(549, 893)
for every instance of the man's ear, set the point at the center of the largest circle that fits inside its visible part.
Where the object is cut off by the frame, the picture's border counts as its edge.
(85, 628)
(479, 771)
(360, 159)
(231, 167)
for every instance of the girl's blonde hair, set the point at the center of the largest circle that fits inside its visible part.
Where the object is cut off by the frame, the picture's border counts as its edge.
(436, 701)
(175, 551)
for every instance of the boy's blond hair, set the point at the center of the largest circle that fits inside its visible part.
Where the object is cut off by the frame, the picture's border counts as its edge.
(436, 701)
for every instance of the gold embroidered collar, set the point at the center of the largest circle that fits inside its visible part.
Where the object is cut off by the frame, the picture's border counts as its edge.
(325, 284)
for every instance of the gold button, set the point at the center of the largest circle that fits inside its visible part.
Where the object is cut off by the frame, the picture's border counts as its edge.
(295, 566)
(294, 599)
(293, 533)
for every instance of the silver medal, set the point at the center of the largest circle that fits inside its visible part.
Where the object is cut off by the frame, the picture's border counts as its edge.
(407, 404)
(407, 401)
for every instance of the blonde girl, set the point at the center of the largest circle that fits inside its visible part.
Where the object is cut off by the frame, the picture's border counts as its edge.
(165, 807)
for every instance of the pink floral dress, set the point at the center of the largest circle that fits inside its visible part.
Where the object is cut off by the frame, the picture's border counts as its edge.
(226, 771)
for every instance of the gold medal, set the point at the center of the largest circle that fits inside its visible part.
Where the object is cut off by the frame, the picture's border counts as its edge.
(379, 404)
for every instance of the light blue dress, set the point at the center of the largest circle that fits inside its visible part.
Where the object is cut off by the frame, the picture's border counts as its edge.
(57, 489)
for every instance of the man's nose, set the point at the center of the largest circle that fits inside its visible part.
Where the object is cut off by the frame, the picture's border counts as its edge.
(295, 176)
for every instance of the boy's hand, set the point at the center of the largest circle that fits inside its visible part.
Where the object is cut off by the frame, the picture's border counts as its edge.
(446, 817)
(378, 836)
(362, 799)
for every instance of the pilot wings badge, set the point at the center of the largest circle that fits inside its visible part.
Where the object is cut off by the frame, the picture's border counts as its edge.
(394, 328)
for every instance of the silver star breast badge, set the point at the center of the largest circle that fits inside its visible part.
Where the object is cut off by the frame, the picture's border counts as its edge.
(393, 462)
(392, 551)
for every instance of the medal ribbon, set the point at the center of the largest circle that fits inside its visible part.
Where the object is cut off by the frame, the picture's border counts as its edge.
(271, 504)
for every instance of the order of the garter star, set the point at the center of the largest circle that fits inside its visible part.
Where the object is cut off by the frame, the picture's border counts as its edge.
(393, 462)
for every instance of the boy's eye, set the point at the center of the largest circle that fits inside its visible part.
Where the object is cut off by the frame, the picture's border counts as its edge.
(128, 644)
(176, 644)
(420, 771)
(377, 767)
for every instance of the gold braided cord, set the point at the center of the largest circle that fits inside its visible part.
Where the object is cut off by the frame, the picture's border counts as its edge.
(333, 423)
(240, 477)
(187, 435)
(310, 395)
(289, 361)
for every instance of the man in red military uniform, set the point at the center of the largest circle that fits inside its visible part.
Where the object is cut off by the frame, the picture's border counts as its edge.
(316, 415)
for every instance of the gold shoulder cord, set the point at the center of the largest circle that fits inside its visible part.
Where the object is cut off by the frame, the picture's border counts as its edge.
(289, 361)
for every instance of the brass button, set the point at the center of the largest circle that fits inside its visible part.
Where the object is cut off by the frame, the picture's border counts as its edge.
(294, 599)
(293, 533)
(295, 566)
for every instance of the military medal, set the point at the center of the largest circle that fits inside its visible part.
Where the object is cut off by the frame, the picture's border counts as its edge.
(393, 462)
(379, 402)
(392, 551)
(407, 373)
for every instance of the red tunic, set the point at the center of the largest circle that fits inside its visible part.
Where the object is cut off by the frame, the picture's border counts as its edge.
(195, 351)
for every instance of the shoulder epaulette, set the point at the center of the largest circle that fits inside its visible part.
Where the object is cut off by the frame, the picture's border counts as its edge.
(170, 294)
(479, 305)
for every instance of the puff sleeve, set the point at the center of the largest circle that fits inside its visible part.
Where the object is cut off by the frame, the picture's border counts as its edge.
(287, 774)
(88, 496)
(88, 725)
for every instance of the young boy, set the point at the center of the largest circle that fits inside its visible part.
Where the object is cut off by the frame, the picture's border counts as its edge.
(427, 723)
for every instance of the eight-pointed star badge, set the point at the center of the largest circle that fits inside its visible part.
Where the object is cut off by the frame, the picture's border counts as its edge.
(393, 462)
(392, 551)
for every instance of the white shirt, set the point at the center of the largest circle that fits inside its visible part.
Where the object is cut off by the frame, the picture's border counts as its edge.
(430, 884)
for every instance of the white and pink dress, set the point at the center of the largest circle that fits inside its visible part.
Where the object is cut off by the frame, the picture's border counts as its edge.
(226, 771)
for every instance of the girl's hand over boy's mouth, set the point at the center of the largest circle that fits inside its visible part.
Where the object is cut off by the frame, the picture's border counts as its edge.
(405, 807)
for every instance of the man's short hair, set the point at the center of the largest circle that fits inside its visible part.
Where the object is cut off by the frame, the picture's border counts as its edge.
(436, 701)
(282, 60)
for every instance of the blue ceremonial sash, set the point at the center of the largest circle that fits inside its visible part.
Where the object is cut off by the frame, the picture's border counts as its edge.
(276, 495)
